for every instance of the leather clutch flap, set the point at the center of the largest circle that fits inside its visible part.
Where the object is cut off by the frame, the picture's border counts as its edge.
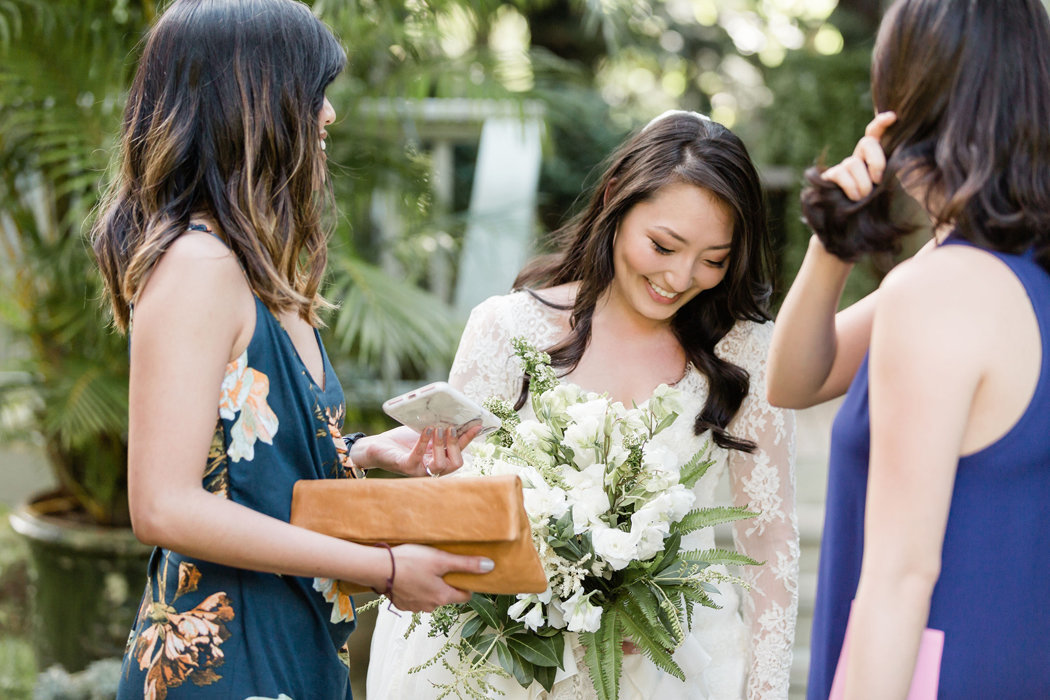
(481, 516)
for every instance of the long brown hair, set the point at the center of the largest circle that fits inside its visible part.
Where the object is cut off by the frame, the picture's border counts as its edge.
(222, 119)
(970, 84)
(679, 147)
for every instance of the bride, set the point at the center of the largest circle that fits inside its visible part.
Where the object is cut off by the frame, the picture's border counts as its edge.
(663, 279)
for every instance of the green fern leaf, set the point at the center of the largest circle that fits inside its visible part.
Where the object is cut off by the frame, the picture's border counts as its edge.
(719, 556)
(695, 468)
(709, 517)
(643, 638)
(604, 654)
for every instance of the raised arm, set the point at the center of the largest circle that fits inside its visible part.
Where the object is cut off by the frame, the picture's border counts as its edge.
(764, 480)
(816, 351)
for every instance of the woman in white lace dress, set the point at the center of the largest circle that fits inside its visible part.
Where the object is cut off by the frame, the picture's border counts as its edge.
(662, 279)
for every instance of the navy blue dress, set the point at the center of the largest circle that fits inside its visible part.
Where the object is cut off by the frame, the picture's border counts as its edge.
(205, 630)
(992, 598)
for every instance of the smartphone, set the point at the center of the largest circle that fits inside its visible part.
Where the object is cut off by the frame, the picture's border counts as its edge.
(440, 405)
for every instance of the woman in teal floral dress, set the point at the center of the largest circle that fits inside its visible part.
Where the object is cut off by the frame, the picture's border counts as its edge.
(212, 232)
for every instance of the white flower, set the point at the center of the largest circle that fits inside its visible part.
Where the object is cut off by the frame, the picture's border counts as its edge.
(667, 507)
(665, 401)
(533, 619)
(633, 422)
(580, 615)
(534, 434)
(543, 501)
(555, 401)
(661, 467)
(650, 542)
(589, 498)
(586, 431)
(616, 547)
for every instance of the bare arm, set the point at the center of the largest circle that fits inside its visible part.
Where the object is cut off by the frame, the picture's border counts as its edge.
(924, 373)
(816, 351)
(181, 343)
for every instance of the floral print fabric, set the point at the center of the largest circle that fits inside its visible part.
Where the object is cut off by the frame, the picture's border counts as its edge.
(205, 630)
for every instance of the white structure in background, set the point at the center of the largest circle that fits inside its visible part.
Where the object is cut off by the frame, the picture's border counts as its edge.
(500, 219)
(498, 239)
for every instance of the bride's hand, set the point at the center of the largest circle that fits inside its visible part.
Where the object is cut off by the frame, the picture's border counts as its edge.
(407, 452)
(857, 174)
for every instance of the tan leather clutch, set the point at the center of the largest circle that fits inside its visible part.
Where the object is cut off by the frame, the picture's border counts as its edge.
(482, 516)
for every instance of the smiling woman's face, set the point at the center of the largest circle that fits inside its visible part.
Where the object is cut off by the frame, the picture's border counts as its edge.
(670, 248)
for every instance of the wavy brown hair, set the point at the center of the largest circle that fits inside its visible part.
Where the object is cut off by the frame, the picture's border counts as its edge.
(679, 147)
(223, 119)
(970, 84)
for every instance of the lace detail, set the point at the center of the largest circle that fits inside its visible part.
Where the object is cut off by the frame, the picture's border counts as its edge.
(752, 634)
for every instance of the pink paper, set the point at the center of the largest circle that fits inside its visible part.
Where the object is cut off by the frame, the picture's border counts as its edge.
(927, 667)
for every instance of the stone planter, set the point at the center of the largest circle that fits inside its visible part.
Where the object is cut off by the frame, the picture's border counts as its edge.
(85, 583)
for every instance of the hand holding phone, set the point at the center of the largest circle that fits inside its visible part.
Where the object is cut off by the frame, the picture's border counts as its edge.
(440, 405)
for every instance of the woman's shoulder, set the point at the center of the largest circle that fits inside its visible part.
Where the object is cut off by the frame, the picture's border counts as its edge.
(525, 303)
(197, 262)
(746, 341)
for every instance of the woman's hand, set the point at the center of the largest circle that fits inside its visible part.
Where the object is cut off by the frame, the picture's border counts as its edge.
(435, 452)
(418, 586)
(858, 174)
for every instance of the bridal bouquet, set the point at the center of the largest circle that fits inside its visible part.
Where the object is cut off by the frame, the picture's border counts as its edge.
(608, 504)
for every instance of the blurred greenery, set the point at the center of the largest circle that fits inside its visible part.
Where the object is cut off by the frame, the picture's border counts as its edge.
(789, 76)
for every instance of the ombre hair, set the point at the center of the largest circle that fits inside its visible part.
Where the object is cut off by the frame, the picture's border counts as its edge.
(970, 85)
(677, 147)
(222, 119)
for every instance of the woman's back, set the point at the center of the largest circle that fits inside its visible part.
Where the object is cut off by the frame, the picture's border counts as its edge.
(997, 539)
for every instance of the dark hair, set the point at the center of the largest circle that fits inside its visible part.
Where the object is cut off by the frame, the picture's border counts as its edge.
(680, 147)
(222, 118)
(970, 84)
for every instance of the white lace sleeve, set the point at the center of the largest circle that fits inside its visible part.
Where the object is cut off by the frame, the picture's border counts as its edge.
(765, 481)
(485, 364)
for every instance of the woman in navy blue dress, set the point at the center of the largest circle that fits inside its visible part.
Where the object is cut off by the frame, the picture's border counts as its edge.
(940, 459)
(212, 232)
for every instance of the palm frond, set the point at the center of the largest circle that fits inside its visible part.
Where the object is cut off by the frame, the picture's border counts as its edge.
(380, 318)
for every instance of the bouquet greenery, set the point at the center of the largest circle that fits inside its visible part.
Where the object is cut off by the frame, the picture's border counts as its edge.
(609, 505)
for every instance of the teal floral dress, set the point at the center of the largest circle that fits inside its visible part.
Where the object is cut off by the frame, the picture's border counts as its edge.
(205, 630)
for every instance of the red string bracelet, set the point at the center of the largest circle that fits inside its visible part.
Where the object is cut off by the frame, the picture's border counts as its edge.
(389, 590)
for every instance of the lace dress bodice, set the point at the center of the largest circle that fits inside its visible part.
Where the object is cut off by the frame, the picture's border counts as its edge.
(752, 635)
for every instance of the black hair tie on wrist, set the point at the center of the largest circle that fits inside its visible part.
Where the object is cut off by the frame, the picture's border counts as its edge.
(349, 440)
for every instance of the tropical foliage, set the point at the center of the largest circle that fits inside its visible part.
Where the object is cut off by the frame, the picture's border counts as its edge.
(599, 68)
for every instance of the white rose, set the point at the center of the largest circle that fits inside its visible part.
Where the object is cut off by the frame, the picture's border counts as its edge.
(580, 615)
(616, 547)
(650, 543)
